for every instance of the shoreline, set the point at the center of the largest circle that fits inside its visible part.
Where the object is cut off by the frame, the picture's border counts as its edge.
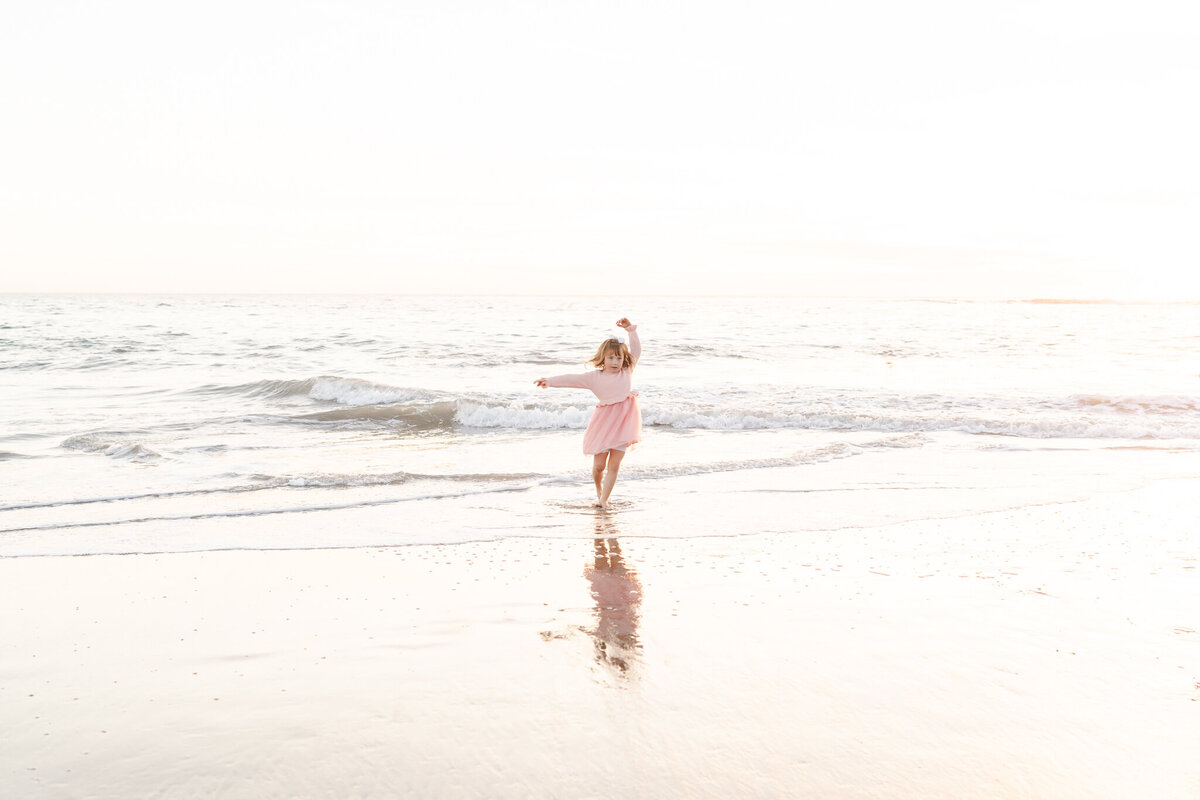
(1051, 650)
(838, 494)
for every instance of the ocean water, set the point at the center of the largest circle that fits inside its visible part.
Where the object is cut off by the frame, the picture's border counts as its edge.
(160, 424)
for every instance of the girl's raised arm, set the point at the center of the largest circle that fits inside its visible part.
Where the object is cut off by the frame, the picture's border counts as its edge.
(635, 344)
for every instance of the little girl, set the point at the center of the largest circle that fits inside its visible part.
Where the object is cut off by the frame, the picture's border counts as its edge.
(616, 422)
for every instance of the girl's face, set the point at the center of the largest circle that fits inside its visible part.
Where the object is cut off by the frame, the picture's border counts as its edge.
(613, 361)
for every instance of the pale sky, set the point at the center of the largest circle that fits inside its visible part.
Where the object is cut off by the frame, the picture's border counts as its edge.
(926, 149)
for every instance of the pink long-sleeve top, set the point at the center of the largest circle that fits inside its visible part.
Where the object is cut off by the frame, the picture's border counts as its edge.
(609, 387)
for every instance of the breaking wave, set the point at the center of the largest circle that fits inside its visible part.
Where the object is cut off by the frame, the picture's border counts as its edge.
(102, 442)
(344, 391)
(259, 388)
(429, 416)
(479, 415)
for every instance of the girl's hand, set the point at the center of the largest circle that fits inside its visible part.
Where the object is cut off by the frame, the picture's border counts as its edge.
(540, 383)
(624, 322)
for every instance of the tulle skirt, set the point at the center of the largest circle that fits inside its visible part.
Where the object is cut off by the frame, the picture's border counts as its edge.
(613, 425)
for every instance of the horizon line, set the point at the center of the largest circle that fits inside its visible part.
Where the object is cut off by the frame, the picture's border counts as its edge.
(909, 298)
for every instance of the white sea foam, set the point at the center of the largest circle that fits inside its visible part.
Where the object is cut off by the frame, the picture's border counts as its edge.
(478, 415)
(358, 392)
(919, 418)
(110, 444)
(89, 442)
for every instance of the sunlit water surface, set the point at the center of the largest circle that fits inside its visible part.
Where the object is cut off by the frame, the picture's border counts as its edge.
(150, 424)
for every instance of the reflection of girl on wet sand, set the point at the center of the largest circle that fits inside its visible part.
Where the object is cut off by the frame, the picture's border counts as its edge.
(618, 594)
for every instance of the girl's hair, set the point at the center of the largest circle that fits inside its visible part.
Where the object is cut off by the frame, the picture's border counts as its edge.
(611, 346)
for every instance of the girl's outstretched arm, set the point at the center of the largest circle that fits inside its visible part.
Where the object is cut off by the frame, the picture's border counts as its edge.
(583, 380)
(635, 344)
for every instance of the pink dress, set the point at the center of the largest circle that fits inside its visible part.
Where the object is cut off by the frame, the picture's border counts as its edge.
(616, 421)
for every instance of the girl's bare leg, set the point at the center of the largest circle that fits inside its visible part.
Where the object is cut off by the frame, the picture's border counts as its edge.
(610, 476)
(598, 472)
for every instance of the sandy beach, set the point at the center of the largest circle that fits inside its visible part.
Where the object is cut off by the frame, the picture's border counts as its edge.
(1050, 651)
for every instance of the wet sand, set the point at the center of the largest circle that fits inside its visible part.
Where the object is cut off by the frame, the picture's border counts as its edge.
(1052, 651)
